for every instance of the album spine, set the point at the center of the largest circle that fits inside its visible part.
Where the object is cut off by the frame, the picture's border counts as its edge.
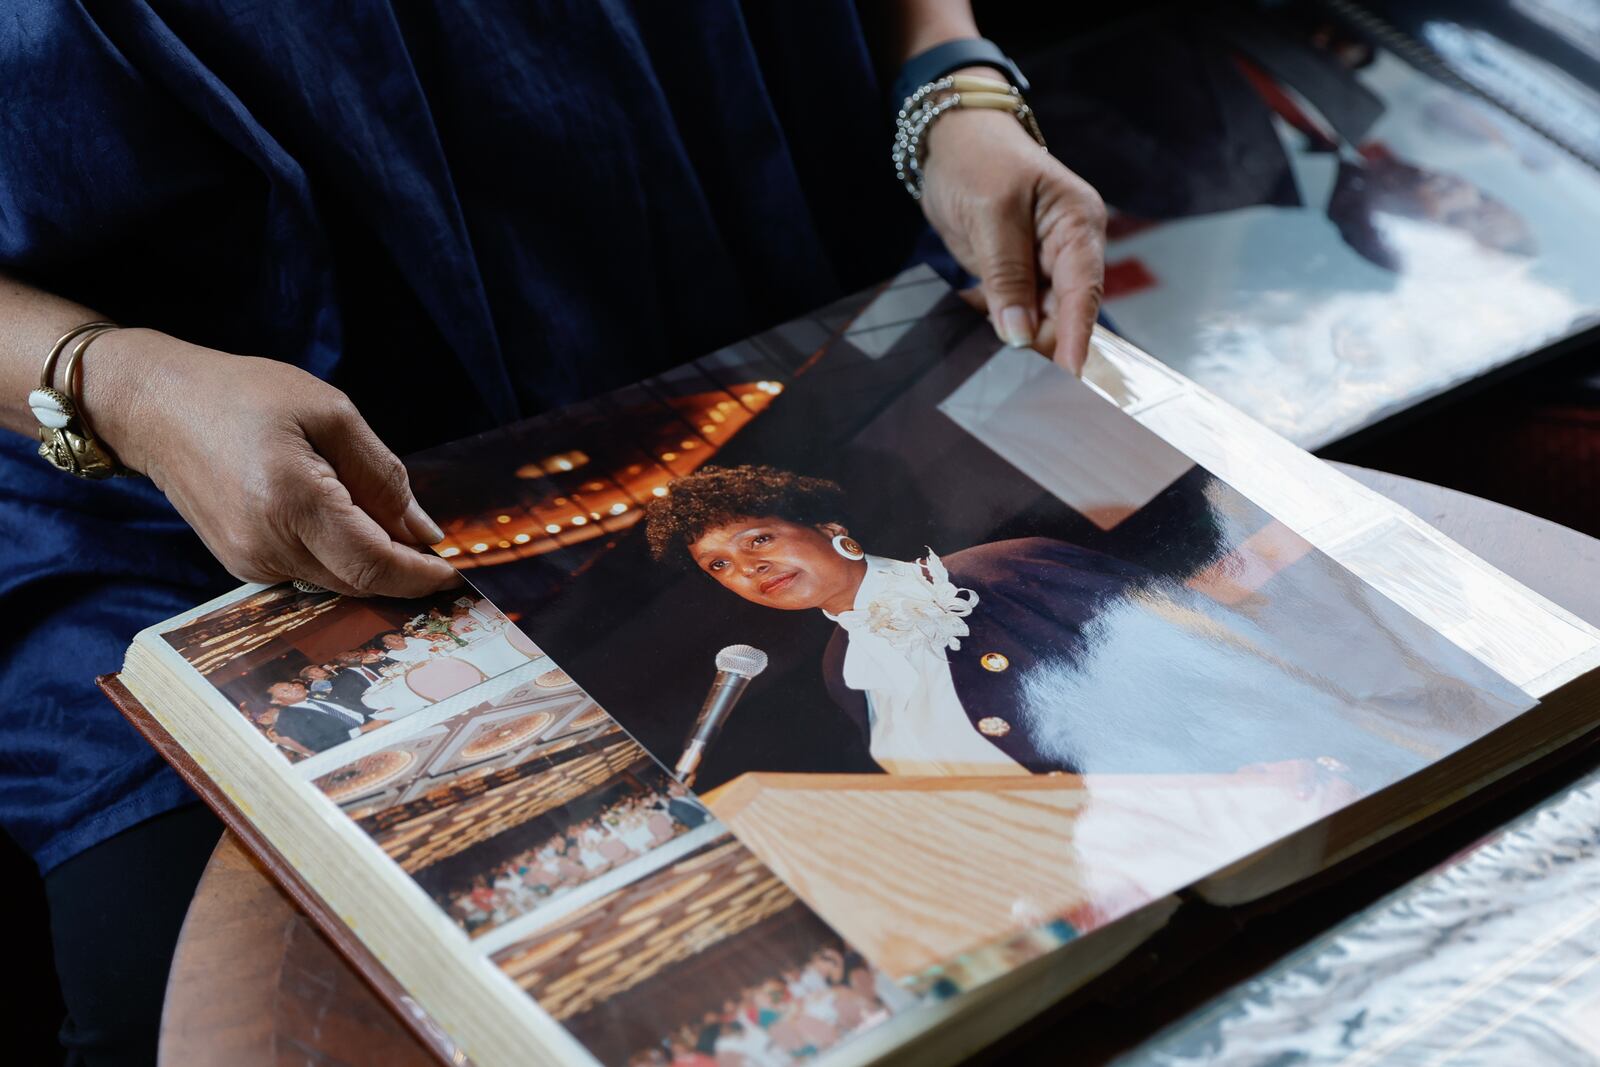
(254, 842)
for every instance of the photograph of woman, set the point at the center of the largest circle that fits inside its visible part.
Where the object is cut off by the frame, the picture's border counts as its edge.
(1025, 665)
(1032, 655)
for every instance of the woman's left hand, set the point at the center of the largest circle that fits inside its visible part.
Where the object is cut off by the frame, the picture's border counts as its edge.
(1025, 225)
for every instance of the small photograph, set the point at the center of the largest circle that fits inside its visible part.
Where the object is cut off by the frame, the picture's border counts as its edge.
(500, 843)
(314, 670)
(708, 961)
(538, 718)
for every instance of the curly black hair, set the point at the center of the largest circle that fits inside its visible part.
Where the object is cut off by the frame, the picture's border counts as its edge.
(712, 496)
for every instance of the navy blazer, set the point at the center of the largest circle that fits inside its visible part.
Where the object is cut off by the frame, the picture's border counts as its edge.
(1035, 598)
(1081, 663)
(347, 687)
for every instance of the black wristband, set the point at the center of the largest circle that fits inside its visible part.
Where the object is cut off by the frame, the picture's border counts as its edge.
(941, 59)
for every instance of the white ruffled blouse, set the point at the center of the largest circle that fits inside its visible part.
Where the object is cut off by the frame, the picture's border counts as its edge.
(906, 617)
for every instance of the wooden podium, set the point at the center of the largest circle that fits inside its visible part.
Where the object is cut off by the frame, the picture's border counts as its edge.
(958, 873)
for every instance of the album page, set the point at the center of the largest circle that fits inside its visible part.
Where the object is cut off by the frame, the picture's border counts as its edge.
(542, 888)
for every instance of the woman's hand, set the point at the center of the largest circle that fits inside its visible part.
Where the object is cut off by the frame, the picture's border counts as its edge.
(275, 469)
(1019, 220)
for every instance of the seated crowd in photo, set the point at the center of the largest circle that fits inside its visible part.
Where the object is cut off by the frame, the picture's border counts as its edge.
(620, 832)
(321, 705)
(796, 1016)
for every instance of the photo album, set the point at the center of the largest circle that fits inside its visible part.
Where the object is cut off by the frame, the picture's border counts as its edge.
(853, 693)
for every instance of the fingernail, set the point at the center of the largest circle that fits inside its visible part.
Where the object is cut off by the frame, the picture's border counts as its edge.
(421, 527)
(1015, 329)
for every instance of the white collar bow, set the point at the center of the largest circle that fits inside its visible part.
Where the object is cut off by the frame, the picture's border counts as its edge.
(903, 612)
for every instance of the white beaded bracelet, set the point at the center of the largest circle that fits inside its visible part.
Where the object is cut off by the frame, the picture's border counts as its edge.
(921, 108)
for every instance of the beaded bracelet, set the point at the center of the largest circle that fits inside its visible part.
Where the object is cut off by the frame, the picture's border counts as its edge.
(921, 108)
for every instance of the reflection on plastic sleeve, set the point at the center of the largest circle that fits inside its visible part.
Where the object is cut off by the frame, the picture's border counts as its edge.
(1493, 958)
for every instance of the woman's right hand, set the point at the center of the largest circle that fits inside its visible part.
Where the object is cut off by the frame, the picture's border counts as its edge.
(275, 469)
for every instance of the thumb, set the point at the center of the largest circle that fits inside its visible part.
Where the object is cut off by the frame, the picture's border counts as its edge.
(1005, 254)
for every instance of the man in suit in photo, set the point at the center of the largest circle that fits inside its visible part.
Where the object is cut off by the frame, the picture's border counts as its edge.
(343, 684)
(369, 662)
(348, 685)
(314, 722)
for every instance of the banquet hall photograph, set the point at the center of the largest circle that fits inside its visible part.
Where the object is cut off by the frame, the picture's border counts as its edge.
(504, 843)
(311, 671)
(710, 959)
(469, 750)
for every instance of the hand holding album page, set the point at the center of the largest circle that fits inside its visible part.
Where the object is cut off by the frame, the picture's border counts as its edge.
(1031, 667)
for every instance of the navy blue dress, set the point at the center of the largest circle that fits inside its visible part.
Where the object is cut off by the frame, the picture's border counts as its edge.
(458, 212)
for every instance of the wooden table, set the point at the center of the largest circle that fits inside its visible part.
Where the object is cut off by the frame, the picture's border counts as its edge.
(254, 984)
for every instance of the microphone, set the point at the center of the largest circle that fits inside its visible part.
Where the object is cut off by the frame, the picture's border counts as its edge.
(736, 665)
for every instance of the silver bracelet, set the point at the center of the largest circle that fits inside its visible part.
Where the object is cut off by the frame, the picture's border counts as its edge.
(919, 110)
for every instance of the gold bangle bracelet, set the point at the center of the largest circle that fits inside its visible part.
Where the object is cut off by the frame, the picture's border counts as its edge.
(47, 373)
(72, 373)
(65, 440)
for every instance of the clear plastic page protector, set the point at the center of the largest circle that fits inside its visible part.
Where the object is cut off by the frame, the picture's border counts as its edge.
(1493, 958)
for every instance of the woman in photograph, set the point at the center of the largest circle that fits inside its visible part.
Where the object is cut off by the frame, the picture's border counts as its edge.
(1033, 655)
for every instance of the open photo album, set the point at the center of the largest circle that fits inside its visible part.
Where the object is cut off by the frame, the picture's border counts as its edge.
(852, 693)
